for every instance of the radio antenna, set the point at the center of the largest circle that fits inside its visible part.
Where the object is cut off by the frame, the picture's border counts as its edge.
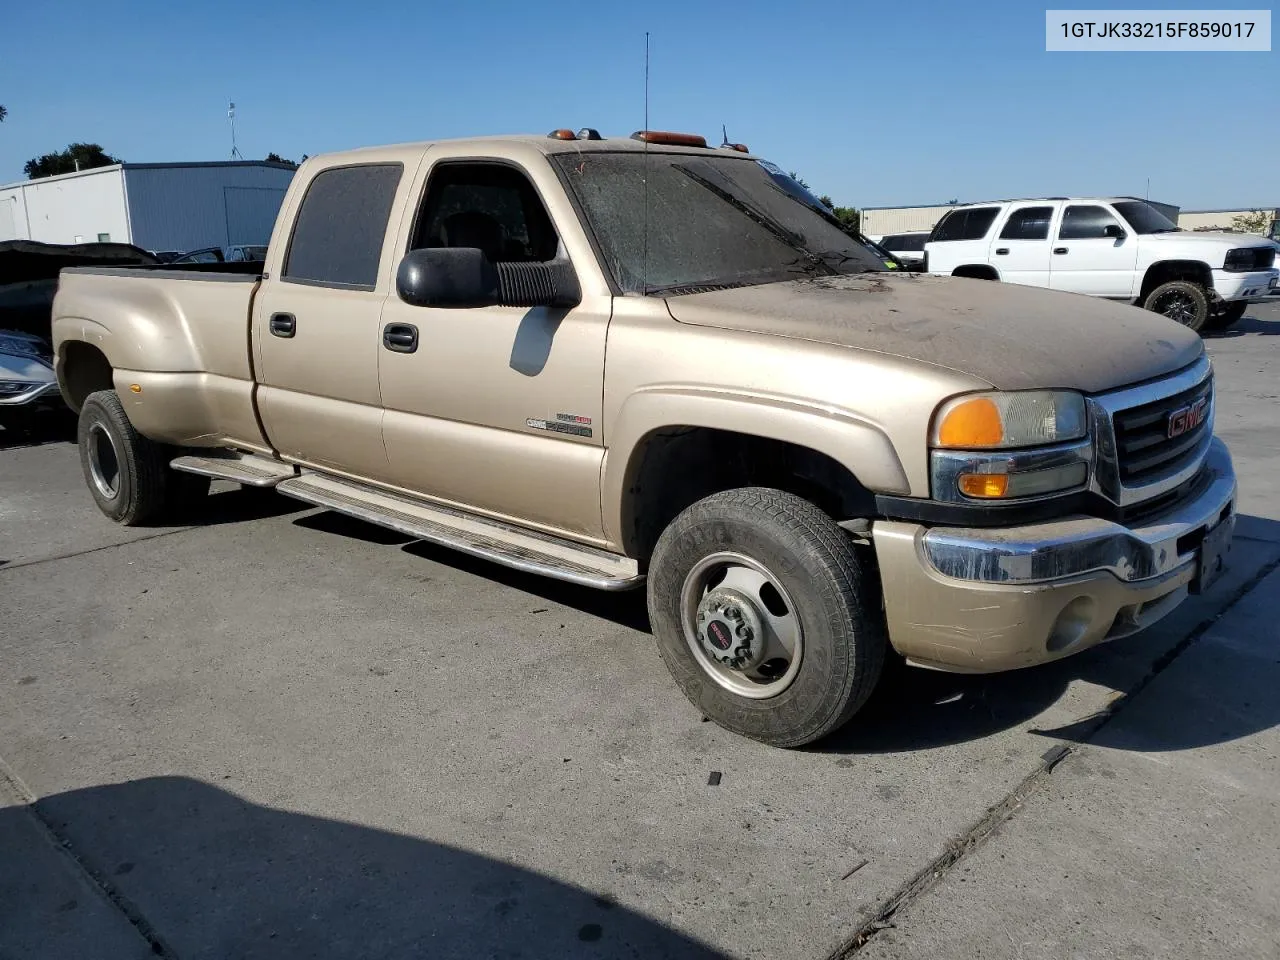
(231, 115)
(644, 273)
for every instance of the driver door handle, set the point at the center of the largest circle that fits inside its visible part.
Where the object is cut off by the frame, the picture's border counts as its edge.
(1059, 249)
(400, 337)
(283, 325)
(1002, 251)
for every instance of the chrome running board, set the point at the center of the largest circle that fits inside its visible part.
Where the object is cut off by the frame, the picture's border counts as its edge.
(248, 469)
(512, 546)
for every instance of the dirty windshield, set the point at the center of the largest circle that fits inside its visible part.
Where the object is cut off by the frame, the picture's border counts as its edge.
(713, 221)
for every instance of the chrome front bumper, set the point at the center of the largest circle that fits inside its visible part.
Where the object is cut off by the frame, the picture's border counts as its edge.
(981, 600)
(1068, 548)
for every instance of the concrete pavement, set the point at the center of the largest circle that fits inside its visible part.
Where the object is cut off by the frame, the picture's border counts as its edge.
(285, 734)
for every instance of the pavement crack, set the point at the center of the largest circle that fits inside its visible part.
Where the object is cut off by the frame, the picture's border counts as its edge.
(960, 847)
(12, 784)
(19, 564)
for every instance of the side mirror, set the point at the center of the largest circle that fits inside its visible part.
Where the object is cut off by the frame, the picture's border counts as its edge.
(1114, 231)
(447, 277)
(464, 277)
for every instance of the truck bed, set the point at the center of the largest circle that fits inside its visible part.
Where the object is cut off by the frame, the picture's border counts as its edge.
(189, 361)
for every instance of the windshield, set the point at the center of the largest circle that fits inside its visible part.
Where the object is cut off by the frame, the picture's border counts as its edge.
(713, 222)
(1145, 218)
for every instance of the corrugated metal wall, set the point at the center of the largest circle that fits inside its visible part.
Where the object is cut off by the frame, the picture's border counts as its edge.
(877, 222)
(185, 208)
(1208, 219)
(73, 208)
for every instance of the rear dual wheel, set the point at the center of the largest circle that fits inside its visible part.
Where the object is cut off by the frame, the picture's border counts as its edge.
(767, 616)
(128, 475)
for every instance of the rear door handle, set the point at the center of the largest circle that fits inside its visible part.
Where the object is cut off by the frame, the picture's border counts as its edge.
(1002, 251)
(283, 325)
(400, 337)
(1059, 249)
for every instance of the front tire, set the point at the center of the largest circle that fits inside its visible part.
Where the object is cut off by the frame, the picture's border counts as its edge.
(1180, 300)
(766, 615)
(127, 474)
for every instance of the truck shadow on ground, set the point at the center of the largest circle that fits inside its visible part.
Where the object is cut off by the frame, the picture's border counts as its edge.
(1246, 326)
(917, 709)
(238, 505)
(217, 876)
(59, 427)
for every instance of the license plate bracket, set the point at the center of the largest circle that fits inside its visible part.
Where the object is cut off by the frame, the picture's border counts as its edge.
(1212, 561)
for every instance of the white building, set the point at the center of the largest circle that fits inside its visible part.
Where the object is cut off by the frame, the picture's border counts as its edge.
(156, 206)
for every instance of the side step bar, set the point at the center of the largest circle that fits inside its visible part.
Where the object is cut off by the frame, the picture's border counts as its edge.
(503, 543)
(247, 469)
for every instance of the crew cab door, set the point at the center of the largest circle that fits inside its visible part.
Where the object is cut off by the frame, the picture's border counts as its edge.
(1093, 253)
(498, 409)
(316, 323)
(1020, 250)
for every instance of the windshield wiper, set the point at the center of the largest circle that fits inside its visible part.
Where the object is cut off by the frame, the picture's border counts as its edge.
(792, 239)
(841, 259)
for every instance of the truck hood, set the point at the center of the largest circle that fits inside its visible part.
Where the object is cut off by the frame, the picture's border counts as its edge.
(1013, 337)
(1228, 240)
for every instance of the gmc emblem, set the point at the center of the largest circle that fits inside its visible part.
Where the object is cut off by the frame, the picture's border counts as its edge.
(1188, 417)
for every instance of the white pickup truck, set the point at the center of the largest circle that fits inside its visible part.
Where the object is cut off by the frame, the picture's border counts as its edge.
(1120, 248)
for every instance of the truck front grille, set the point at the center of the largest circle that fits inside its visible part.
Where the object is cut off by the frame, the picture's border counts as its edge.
(1152, 438)
(1159, 437)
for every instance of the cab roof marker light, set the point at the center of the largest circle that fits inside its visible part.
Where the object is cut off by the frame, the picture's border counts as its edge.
(670, 139)
(564, 133)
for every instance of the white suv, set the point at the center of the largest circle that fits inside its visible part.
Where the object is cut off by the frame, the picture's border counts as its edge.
(1116, 247)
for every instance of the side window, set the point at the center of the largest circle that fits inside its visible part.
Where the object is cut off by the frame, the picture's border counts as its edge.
(1028, 223)
(338, 233)
(1086, 223)
(487, 205)
(971, 224)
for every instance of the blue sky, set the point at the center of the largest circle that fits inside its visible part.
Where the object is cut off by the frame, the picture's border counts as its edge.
(873, 103)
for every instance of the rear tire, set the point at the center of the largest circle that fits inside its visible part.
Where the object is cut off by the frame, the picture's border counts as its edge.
(808, 574)
(1181, 301)
(1229, 315)
(127, 474)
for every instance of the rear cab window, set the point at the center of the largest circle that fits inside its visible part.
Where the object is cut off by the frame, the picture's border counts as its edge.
(340, 227)
(971, 223)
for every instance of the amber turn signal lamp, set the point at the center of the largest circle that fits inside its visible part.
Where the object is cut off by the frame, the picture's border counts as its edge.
(971, 424)
(987, 486)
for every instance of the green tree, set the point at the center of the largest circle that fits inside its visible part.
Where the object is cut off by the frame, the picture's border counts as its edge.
(3, 113)
(276, 158)
(798, 179)
(850, 218)
(1256, 221)
(77, 156)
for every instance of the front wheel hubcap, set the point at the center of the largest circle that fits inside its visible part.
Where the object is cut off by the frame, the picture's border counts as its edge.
(741, 625)
(1179, 307)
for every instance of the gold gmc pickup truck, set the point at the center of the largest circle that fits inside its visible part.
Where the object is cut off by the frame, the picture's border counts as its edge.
(644, 361)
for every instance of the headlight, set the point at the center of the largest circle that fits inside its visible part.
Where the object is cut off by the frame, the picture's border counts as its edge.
(1244, 259)
(1007, 446)
(1000, 421)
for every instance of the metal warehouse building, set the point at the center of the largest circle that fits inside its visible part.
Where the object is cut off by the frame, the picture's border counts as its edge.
(156, 206)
